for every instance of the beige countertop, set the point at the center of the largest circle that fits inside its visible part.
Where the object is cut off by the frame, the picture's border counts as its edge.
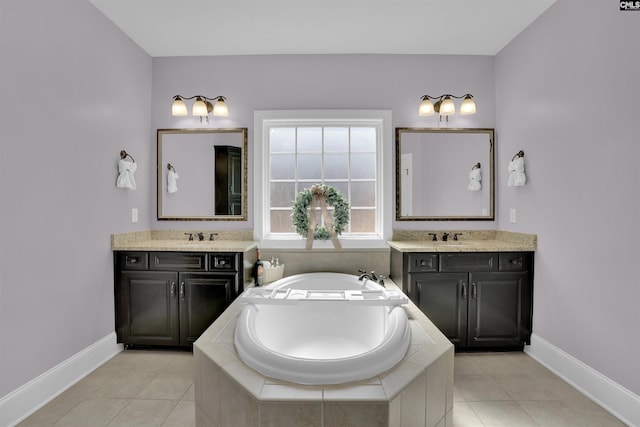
(470, 241)
(178, 242)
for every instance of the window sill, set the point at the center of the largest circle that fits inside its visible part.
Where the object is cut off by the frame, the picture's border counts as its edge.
(325, 245)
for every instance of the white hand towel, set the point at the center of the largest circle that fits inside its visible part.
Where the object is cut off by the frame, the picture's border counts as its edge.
(475, 180)
(517, 177)
(172, 186)
(126, 171)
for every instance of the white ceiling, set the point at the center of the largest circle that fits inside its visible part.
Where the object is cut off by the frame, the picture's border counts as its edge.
(250, 27)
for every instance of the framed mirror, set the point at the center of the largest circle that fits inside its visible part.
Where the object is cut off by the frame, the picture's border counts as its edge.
(202, 174)
(445, 174)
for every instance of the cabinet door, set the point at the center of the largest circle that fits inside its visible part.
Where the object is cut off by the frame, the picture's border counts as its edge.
(443, 298)
(499, 307)
(147, 308)
(203, 297)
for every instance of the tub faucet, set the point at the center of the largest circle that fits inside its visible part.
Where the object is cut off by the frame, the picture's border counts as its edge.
(445, 237)
(371, 276)
(200, 237)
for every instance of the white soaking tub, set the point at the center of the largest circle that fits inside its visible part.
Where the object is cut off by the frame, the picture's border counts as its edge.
(322, 328)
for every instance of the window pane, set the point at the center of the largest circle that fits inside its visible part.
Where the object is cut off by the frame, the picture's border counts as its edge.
(310, 139)
(310, 166)
(283, 166)
(342, 187)
(281, 221)
(363, 194)
(363, 139)
(363, 221)
(363, 166)
(336, 139)
(336, 166)
(283, 194)
(282, 139)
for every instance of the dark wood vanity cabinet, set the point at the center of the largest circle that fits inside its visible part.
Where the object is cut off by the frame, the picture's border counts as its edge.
(480, 300)
(170, 298)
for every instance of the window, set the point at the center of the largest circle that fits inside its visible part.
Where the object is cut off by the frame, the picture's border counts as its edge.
(344, 149)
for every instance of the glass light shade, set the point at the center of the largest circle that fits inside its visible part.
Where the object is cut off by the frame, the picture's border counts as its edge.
(426, 108)
(468, 106)
(447, 107)
(199, 108)
(220, 108)
(178, 108)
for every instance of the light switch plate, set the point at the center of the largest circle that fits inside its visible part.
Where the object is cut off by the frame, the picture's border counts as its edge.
(512, 216)
(134, 215)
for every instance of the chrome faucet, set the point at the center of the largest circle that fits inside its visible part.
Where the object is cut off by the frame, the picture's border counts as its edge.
(371, 276)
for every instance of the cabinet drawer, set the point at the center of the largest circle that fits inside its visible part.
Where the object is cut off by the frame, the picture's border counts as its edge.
(178, 261)
(423, 262)
(514, 261)
(478, 261)
(223, 262)
(133, 260)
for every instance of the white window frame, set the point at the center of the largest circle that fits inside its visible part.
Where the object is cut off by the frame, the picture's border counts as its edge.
(381, 119)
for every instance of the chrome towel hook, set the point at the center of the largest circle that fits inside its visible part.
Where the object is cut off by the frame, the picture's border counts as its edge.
(124, 154)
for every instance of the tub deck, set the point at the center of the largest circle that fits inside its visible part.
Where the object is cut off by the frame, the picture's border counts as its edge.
(229, 393)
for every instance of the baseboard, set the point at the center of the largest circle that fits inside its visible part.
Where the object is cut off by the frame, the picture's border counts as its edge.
(25, 400)
(616, 399)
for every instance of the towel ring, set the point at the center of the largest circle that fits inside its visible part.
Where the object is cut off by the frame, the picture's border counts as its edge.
(518, 154)
(476, 166)
(171, 168)
(124, 154)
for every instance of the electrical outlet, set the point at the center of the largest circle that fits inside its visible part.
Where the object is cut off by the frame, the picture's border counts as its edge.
(512, 216)
(134, 215)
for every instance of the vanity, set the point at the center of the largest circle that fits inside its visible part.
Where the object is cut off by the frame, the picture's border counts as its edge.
(477, 291)
(169, 290)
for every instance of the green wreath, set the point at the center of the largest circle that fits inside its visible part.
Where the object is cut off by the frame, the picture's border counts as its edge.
(331, 197)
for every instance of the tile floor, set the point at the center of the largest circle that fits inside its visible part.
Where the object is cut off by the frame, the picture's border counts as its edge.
(155, 388)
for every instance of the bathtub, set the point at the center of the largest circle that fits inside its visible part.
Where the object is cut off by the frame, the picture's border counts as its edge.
(323, 340)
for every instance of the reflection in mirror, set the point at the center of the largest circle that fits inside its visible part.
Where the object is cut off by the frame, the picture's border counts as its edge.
(207, 179)
(438, 176)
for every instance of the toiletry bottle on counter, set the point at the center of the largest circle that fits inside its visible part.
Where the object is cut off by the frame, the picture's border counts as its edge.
(259, 270)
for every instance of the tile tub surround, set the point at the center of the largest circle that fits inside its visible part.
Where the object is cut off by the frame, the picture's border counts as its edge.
(469, 241)
(416, 392)
(176, 240)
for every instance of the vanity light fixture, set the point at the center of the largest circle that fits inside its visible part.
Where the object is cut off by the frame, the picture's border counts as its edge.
(201, 107)
(444, 105)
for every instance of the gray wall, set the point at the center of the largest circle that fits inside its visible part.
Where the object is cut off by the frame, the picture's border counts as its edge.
(75, 91)
(567, 94)
(272, 82)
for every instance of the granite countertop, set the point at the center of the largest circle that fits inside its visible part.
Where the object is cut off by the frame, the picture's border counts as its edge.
(470, 241)
(176, 241)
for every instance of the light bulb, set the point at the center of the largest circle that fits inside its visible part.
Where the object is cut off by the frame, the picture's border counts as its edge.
(178, 108)
(447, 107)
(220, 108)
(199, 108)
(426, 107)
(468, 106)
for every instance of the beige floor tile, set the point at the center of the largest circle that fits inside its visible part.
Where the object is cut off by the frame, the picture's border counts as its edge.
(477, 388)
(143, 413)
(490, 389)
(463, 416)
(502, 414)
(52, 411)
(94, 412)
(167, 386)
(127, 385)
(525, 386)
(565, 413)
(183, 415)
